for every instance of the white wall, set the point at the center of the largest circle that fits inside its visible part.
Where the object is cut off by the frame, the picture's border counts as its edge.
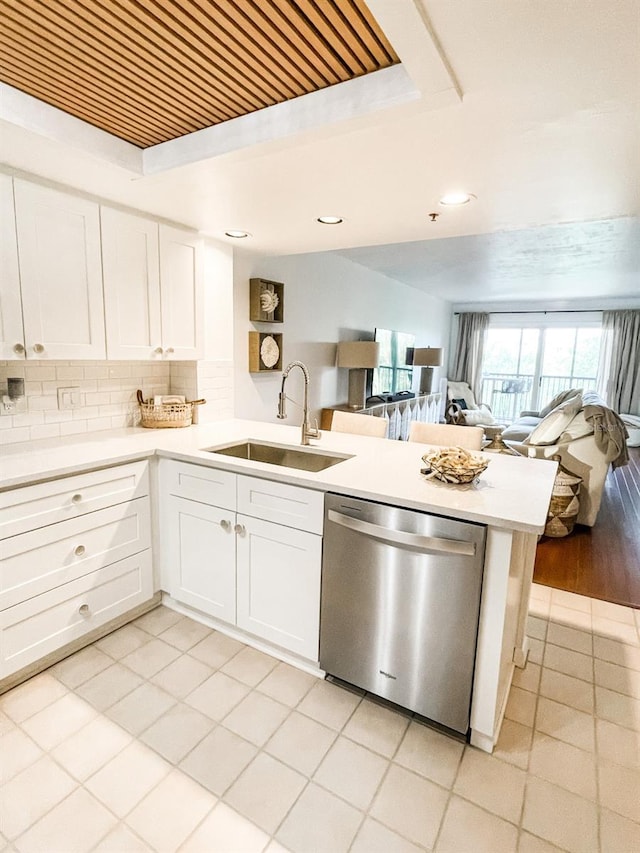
(326, 299)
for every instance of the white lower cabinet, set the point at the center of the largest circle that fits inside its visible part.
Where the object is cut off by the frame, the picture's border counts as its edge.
(76, 554)
(248, 571)
(278, 577)
(201, 549)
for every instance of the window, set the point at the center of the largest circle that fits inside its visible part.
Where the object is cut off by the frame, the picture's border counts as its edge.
(528, 359)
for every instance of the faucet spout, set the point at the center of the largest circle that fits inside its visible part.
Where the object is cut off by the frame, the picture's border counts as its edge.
(307, 431)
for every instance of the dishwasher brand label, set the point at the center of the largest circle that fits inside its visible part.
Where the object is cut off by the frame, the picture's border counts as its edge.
(387, 674)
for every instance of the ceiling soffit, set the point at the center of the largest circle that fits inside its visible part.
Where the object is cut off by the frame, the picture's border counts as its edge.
(149, 71)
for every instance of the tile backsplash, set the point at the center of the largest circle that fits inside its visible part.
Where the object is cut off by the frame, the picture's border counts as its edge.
(107, 394)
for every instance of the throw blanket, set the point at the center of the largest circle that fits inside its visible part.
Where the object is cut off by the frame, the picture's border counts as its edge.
(609, 431)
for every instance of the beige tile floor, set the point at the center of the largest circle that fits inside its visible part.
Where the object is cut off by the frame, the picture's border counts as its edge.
(167, 736)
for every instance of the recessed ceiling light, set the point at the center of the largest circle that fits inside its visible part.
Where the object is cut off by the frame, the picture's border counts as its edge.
(238, 235)
(458, 198)
(330, 220)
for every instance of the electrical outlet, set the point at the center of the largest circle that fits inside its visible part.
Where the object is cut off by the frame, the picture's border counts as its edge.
(69, 398)
(11, 407)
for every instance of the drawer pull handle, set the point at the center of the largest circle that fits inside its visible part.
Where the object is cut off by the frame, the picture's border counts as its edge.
(76, 499)
(18, 349)
(158, 351)
(225, 524)
(170, 350)
(38, 348)
(79, 550)
(240, 529)
(83, 610)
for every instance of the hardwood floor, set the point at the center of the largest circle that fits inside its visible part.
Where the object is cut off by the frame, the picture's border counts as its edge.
(601, 561)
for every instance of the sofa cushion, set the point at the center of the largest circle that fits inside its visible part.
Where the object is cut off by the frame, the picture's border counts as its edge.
(520, 429)
(558, 399)
(556, 422)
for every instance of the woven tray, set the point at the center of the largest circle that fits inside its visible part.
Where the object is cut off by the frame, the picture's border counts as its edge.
(165, 416)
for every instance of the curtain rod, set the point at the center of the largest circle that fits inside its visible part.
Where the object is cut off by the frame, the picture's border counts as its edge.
(568, 311)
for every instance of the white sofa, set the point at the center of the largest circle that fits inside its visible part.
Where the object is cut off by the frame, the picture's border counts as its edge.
(574, 444)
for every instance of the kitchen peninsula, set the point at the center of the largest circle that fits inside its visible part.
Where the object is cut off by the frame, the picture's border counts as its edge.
(511, 499)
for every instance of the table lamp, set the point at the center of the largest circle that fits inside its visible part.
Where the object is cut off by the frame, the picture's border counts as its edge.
(427, 358)
(358, 356)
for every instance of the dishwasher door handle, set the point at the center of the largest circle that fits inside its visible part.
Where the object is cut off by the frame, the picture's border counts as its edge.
(415, 541)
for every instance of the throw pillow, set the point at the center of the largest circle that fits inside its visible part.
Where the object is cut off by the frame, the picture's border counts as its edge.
(578, 428)
(556, 422)
(558, 399)
(461, 402)
(478, 417)
(461, 391)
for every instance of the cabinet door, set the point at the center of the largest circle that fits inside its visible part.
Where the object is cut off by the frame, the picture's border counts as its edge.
(60, 272)
(278, 571)
(131, 269)
(201, 557)
(11, 333)
(181, 289)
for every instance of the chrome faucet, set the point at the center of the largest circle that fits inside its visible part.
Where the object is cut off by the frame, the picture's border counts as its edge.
(307, 430)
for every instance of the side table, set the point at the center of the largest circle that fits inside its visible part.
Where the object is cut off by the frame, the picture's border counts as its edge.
(493, 434)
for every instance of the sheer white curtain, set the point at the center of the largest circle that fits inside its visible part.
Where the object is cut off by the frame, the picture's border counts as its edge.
(619, 372)
(467, 365)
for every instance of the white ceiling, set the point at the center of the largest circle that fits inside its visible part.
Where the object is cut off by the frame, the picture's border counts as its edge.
(547, 133)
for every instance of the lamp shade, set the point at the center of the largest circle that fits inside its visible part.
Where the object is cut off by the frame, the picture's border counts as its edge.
(427, 357)
(358, 354)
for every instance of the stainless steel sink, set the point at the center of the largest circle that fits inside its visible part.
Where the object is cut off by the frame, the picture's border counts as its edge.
(307, 459)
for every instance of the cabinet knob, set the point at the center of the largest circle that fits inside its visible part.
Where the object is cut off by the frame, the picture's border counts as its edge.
(38, 348)
(76, 499)
(79, 550)
(83, 610)
(158, 351)
(240, 529)
(170, 350)
(225, 524)
(19, 349)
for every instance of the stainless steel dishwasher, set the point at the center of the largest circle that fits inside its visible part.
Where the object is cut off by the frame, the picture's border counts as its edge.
(400, 605)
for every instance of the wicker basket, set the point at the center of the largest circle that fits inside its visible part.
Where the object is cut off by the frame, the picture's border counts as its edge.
(166, 415)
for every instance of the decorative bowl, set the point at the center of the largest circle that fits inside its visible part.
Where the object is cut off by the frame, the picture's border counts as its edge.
(454, 465)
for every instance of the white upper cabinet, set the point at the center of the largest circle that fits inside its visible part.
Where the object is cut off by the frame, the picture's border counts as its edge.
(11, 331)
(152, 289)
(181, 289)
(131, 268)
(60, 273)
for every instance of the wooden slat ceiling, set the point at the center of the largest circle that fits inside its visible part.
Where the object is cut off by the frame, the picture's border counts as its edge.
(153, 70)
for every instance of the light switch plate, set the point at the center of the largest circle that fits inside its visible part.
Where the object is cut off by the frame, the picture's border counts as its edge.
(69, 398)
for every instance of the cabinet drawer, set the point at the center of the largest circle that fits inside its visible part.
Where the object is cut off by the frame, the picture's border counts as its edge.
(296, 507)
(198, 483)
(35, 562)
(31, 507)
(39, 626)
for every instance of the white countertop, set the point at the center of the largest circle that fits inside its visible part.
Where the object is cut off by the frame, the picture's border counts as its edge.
(513, 493)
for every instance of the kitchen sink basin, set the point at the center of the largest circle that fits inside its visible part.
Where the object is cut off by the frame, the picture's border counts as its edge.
(306, 459)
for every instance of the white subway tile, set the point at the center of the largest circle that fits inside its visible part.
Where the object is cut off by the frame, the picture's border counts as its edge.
(13, 436)
(27, 419)
(55, 416)
(121, 370)
(12, 368)
(108, 384)
(96, 371)
(73, 428)
(109, 411)
(42, 404)
(96, 424)
(40, 373)
(33, 389)
(69, 373)
(86, 412)
(45, 431)
(98, 398)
